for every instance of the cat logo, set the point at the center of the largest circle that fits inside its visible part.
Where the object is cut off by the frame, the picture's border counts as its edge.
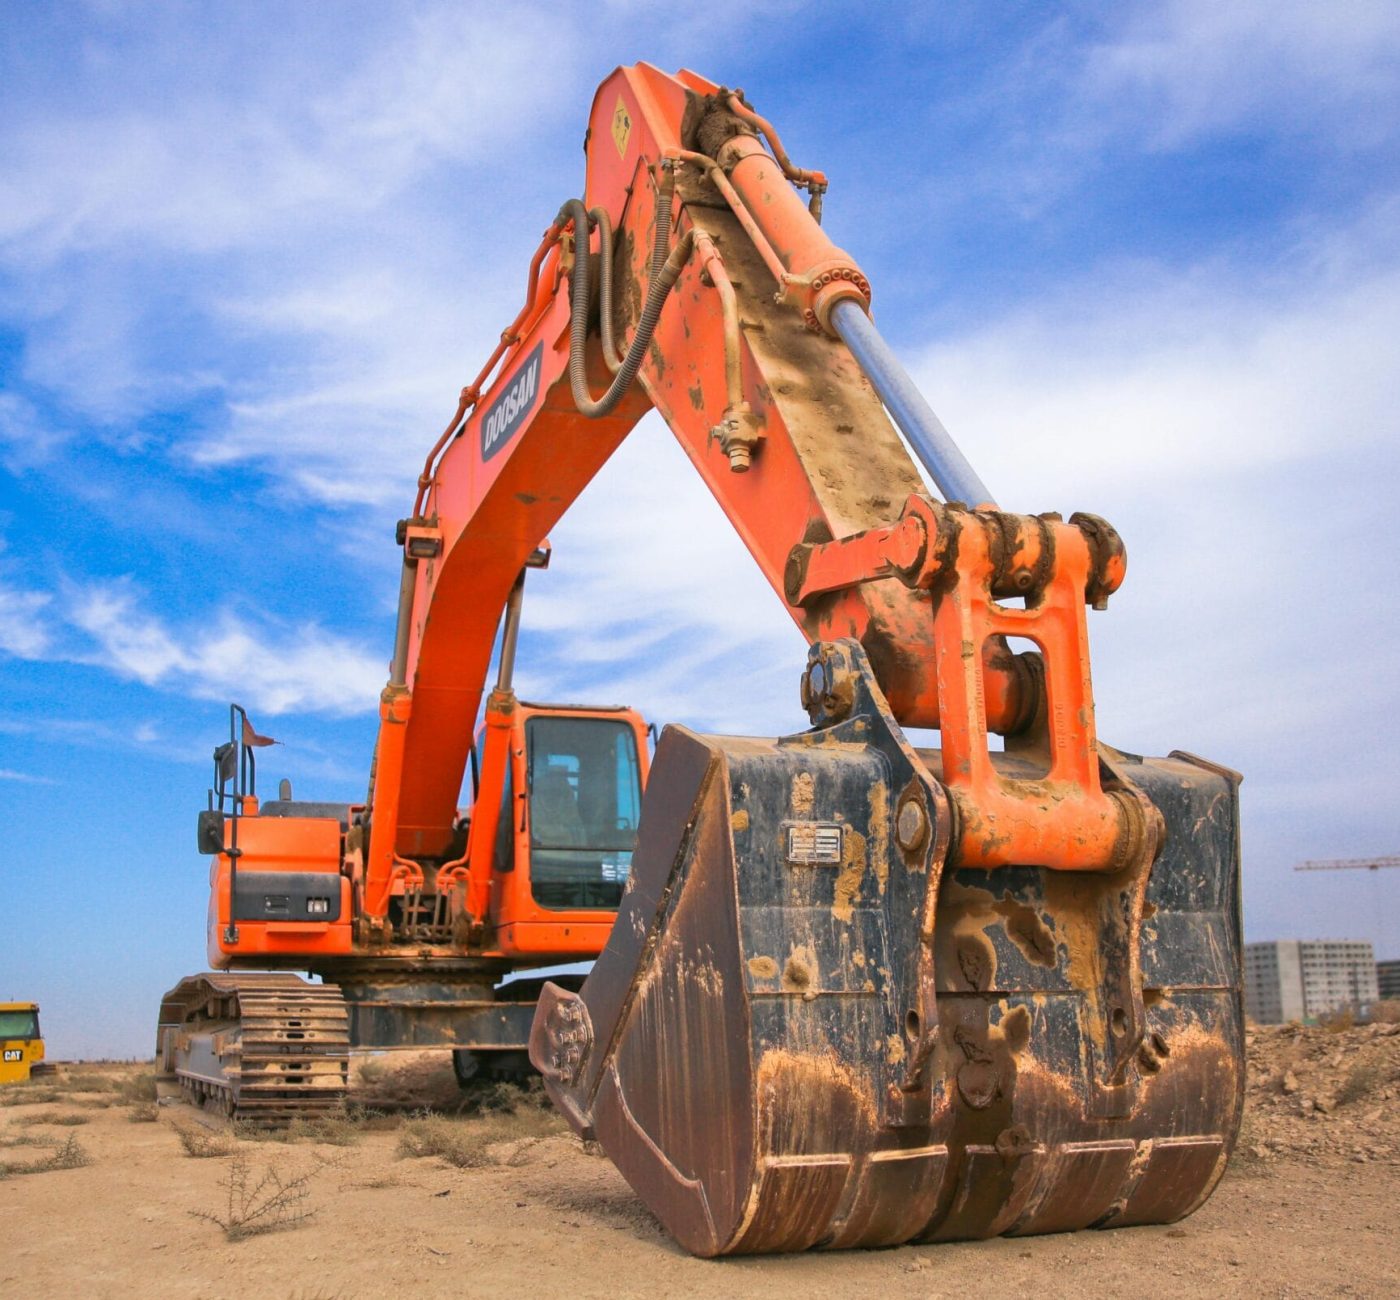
(621, 127)
(14, 1054)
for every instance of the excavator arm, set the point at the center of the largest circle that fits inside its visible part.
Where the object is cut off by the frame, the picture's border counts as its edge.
(858, 992)
(743, 360)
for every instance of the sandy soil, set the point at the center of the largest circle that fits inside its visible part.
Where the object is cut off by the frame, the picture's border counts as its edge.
(1308, 1208)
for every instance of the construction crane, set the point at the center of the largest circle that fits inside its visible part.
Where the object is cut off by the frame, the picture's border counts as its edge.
(849, 991)
(1380, 915)
(1348, 864)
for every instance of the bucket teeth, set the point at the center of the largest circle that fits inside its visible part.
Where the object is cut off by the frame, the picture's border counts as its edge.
(803, 1033)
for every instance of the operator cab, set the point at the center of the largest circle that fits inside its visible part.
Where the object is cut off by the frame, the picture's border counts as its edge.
(570, 807)
(585, 798)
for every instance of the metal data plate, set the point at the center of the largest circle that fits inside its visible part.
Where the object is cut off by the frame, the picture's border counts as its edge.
(815, 844)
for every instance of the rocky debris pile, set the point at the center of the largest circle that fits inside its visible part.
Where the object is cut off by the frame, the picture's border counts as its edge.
(1322, 1091)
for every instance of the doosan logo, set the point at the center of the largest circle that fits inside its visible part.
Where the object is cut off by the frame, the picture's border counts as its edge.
(507, 413)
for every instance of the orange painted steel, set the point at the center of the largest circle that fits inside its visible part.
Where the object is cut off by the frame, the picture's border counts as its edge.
(493, 505)
(1062, 818)
(818, 274)
(270, 846)
(744, 387)
(814, 181)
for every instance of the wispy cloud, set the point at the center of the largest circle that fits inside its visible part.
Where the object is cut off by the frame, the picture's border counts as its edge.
(1195, 67)
(23, 630)
(25, 778)
(26, 438)
(445, 84)
(274, 667)
(1137, 375)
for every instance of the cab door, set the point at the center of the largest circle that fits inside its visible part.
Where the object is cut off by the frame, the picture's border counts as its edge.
(574, 832)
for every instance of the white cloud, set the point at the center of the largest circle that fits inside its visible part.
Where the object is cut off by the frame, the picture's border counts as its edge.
(1197, 65)
(23, 629)
(271, 667)
(24, 778)
(1241, 432)
(191, 171)
(26, 439)
(1139, 378)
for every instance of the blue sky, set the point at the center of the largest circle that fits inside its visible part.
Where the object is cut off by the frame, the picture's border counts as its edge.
(1144, 259)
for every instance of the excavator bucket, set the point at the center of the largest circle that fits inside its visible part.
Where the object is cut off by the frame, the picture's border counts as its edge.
(805, 1032)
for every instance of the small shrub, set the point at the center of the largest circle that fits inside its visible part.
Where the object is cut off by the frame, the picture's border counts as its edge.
(1364, 1079)
(30, 1094)
(93, 1083)
(375, 1183)
(202, 1143)
(465, 1143)
(139, 1088)
(48, 1117)
(338, 1130)
(69, 1155)
(12, 1139)
(273, 1203)
(143, 1112)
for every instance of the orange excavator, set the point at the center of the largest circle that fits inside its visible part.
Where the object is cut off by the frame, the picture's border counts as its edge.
(849, 990)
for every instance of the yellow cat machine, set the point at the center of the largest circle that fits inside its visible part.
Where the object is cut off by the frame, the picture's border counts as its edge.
(853, 989)
(21, 1044)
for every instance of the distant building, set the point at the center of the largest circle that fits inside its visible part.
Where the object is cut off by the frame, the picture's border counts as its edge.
(1299, 979)
(1388, 979)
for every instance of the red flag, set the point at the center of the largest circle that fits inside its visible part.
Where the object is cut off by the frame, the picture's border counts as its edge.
(251, 737)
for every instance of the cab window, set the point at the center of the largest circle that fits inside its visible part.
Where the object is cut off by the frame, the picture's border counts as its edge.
(585, 800)
(19, 1024)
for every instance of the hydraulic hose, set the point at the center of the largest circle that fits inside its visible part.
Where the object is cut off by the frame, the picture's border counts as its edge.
(599, 217)
(664, 272)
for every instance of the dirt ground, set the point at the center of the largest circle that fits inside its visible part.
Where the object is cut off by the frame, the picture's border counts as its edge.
(98, 1197)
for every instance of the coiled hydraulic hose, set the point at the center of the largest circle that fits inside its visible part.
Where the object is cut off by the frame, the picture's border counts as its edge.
(599, 217)
(664, 272)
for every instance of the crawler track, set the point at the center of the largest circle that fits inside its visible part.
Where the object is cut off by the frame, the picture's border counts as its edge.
(262, 1048)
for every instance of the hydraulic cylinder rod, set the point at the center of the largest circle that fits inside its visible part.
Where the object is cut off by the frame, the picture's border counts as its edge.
(931, 442)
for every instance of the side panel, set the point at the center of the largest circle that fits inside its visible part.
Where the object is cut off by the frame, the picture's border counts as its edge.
(286, 867)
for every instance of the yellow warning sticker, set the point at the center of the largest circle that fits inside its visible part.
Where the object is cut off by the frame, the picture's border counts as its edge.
(621, 127)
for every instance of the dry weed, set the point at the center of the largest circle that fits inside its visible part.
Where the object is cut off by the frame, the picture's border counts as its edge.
(204, 1143)
(1365, 1079)
(410, 1085)
(48, 1117)
(30, 1094)
(275, 1202)
(69, 1155)
(339, 1130)
(139, 1088)
(143, 1112)
(10, 1138)
(465, 1143)
(377, 1183)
